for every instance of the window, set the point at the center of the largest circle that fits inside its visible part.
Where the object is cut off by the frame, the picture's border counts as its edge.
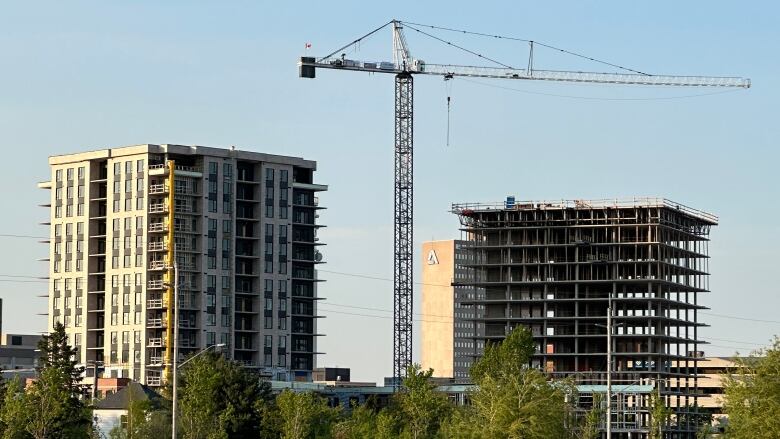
(269, 266)
(268, 341)
(139, 260)
(67, 264)
(282, 360)
(283, 175)
(269, 304)
(70, 174)
(126, 281)
(269, 174)
(117, 168)
(126, 263)
(283, 305)
(125, 337)
(58, 230)
(211, 282)
(137, 298)
(58, 175)
(226, 263)
(282, 341)
(268, 323)
(212, 225)
(213, 167)
(227, 169)
(269, 210)
(114, 299)
(128, 242)
(267, 360)
(139, 279)
(68, 210)
(226, 226)
(211, 339)
(139, 185)
(58, 212)
(225, 284)
(117, 186)
(125, 318)
(128, 204)
(211, 320)
(212, 205)
(137, 318)
(211, 262)
(139, 165)
(80, 228)
(269, 286)
(115, 281)
(282, 267)
(126, 299)
(79, 265)
(116, 205)
(139, 222)
(113, 318)
(115, 224)
(128, 185)
(282, 288)
(128, 167)
(79, 320)
(137, 337)
(58, 193)
(80, 191)
(282, 323)
(115, 262)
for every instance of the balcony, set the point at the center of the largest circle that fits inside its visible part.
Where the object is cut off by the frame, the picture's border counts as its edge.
(158, 265)
(157, 189)
(185, 171)
(157, 323)
(158, 227)
(156, 284)
(156, 246)
(156, 361)
(156, 303)
(158, 208)
(154, 381)
(156, 343)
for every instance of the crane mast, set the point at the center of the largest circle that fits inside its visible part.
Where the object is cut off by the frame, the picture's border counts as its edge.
(405, 67)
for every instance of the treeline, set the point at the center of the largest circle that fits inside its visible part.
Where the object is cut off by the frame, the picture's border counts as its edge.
(218, 399)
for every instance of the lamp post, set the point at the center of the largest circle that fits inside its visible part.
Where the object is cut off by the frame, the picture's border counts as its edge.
(175, 381)
(609, 327)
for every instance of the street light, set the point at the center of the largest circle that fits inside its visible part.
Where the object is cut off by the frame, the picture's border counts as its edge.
(609, 365)
(175, 376)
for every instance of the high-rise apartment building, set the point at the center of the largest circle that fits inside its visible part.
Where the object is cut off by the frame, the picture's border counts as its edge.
(241, 229)
(556, 267)
(447, 335)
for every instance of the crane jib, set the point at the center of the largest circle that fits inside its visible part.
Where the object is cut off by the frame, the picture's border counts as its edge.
(307, 67)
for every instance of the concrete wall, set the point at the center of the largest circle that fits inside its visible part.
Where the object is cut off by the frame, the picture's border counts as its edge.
(438, 305)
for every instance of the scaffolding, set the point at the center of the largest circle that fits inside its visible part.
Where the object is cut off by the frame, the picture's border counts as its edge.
(555, 266)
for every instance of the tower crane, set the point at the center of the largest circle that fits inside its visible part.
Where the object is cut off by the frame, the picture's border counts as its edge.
(404, 67)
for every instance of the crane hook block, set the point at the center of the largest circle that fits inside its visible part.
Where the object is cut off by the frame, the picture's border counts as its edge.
(306, 67)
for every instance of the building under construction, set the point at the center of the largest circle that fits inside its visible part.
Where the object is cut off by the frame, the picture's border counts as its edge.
(556, 267)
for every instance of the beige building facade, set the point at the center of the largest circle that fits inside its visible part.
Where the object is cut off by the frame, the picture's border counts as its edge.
(445, 346)
(241, 229)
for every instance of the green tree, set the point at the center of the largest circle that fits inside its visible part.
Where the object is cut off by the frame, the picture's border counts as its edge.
(591, 423)
(304, 415)
(659, 416)
(360, 424)
(422, 408)
(14, 414)
(217, 398)
(752, 395)
(511, 399)
(144, 420)
(50, 407)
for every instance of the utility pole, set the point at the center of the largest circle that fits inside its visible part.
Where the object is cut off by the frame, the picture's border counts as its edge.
(175, 341)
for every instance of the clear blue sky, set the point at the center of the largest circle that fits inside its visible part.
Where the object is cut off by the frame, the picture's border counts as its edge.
(78, 75)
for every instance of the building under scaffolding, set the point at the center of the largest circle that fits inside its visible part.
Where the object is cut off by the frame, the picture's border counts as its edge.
(555, 267)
